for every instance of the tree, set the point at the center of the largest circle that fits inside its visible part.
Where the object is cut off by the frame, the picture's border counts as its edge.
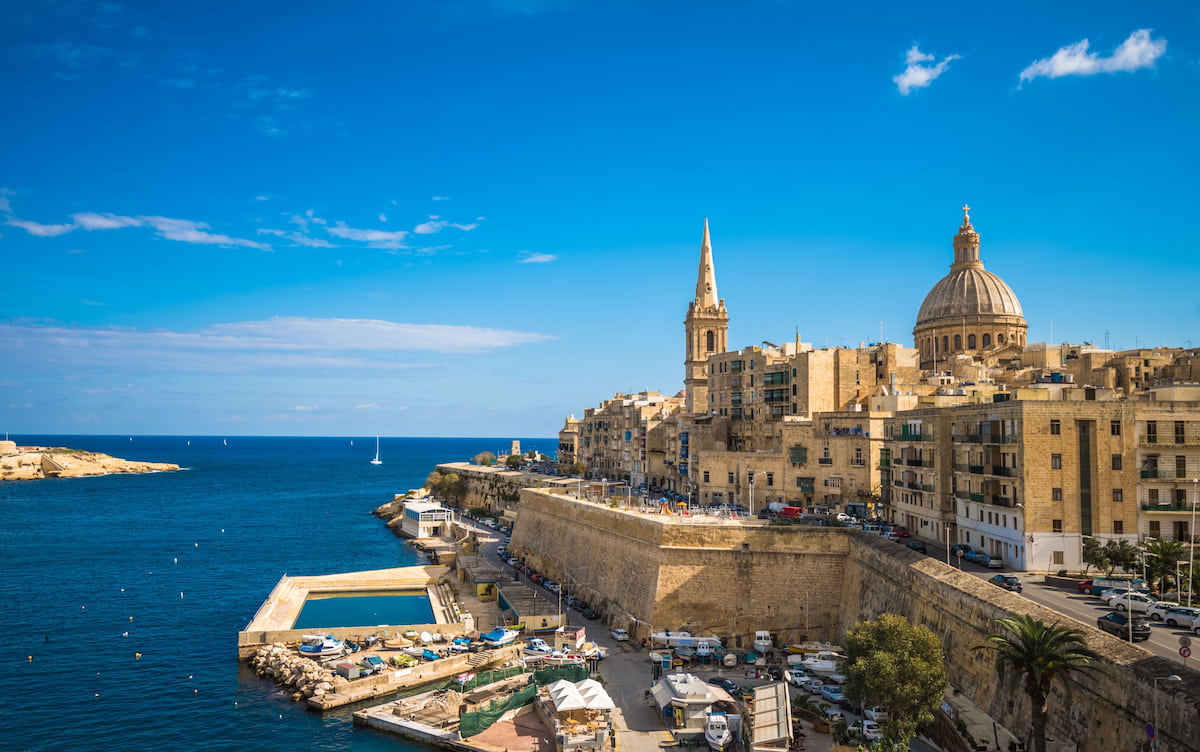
(1161, 556)
(1119, 554)
(514, 461)
(1040, 655)
(900, 666)
(579, 467)
(484, 458)
(1093, 554)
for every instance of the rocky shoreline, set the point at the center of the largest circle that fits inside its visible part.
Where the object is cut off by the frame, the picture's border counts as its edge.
(36, 463)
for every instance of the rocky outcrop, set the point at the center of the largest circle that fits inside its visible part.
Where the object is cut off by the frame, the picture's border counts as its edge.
(304, 676)
(35, 463)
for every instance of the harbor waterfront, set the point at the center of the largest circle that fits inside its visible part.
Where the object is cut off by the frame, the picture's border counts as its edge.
(123, 594)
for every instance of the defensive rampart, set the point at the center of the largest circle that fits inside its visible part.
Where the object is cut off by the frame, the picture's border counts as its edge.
(645, 572)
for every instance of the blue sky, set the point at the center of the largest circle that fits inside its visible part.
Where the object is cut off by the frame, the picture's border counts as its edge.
(473, 218)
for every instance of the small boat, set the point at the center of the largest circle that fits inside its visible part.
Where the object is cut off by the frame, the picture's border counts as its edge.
(426, 637)
(685, 652)
(538, 646)
(704, 651)
(717, 733)
(437, 637)
(429, 655)
(824, 662)
(320, 646)
(499, 636)
(763, 641)
(376, 461)
(730, 660)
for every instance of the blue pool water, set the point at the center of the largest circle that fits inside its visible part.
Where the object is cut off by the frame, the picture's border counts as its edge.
(364, 610)
(172, 566)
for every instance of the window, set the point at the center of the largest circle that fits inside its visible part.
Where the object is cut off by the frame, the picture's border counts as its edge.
(1118, 527)
(1056, 526)
(775, 378)
(1116, 462)
(705, 476)
(711, 338)
(1055, 428)
(1155, 529)
(735, 398)
(958, 342)
(1114, 428)
(1056, 557)
(971, 341)
(1179, 432)
(1000, 341)
(798, 455)
(1181, 466)
(770, 479)
(987, 341)
(1118, 494)
(1055, 494)
(731, 479)
(1056, 462)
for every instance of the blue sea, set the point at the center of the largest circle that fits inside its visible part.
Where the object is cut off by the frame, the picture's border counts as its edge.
(172, 565)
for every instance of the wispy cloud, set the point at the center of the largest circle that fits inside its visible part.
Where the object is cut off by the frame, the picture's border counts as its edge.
(529, 257)
(91, 221)
(42, 231)
(441, 198)
(187, 231)
(918, 75)
(437, 224)
(392, 239)
(182, 230)
(252, 346)
(1137, 52)
(298, 238)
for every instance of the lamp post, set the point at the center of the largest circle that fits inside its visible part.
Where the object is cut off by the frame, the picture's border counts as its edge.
(947, 545)
(1157, 679)
(752, 495)
(1192, 542)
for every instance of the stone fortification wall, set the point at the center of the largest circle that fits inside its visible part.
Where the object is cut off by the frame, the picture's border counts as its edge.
(495, 487)
(1107, 711)
(666, 572)
(643, 571)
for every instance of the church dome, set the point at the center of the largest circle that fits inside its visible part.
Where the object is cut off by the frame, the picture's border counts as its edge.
(968, 290)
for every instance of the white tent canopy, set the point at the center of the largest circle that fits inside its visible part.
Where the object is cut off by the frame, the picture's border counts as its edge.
(588, 694)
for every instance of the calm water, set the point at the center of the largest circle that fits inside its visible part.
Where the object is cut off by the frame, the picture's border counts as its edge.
(364, 610)
(188, 556)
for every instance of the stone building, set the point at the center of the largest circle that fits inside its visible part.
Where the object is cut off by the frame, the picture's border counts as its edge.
(951, 437)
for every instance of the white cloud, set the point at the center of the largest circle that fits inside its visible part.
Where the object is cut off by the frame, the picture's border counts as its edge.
(263, 197)
(375, 238)
(441, 198)
(5, 206)
(304, 408)
(437, 224)
(382, 217)
(42, 231)
(297, 238)
(187, 231)
(529, 257)
(91, 221)
(1137, 52)
(917, 75)
(287, 343)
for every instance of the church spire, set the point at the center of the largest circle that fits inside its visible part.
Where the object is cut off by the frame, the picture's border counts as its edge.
(706, 277)
(966, 243)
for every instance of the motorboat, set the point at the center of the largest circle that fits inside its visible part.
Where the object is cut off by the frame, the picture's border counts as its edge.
(763, 641)
(704, 651)
(499, 636)
(717, 733)
(537, 646)
(320, 646)
(730, 660)
(824, 662)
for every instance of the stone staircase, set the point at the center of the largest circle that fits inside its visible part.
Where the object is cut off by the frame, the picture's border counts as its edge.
(475, 660)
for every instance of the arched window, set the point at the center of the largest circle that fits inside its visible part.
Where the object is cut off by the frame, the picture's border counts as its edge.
(945, 343)
(999, 339)
(712, 340)
(970, 341)
(957, 342)
(987, 341)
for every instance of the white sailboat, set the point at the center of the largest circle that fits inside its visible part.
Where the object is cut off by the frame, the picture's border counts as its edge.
(376, 461)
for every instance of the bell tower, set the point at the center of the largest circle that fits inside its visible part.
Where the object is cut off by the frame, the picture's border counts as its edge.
(706, 328)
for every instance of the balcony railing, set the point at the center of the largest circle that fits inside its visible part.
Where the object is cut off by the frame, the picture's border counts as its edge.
(824, 460)
(975, 469)
(885, 463)
(912, 462)
(1149, 473)
(928, 488)
(1004, 472)
(977, 497)
(1168, 507)
(1002, 501)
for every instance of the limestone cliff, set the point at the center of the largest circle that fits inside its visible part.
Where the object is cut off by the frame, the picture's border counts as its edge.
(35, 463)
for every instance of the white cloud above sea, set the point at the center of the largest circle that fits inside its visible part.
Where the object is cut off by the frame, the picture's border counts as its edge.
(1137, 52)
(530, 257)
(294, 343)
(917, 74)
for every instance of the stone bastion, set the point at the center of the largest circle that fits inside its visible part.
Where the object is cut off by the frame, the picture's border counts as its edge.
(649, 572)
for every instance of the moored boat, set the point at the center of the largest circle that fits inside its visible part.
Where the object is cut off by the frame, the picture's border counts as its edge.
(499, 636)
(320, 646)
(824, 662)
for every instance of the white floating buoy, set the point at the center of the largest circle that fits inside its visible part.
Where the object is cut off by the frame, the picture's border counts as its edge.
(176, 559)
(122, 590)
(197, 545)
(222, 530)
(181, 595)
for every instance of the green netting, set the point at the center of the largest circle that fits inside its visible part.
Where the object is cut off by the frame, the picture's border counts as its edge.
(470, 724)
(484, 677)
(544, 676)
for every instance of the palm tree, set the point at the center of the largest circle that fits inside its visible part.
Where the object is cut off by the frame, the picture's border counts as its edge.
(1160, 557)
(1039, 655)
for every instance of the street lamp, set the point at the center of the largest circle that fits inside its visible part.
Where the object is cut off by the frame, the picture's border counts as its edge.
(752, 494)
(947, 545)
(1192, 542)
(1157, 679)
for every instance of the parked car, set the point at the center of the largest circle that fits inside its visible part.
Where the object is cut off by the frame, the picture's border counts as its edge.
(1131, 601)
(1158, 610)
(1007, 581)
(813, 686)
(1118, 624)
(977, 557)
(960, 547)
(902, 531)
(833, 693)
(796, 677)
(868, 730)
(994, 561)
(1096, 584)
(917, 546)
(1181, 616)
(875, 713)
(620, 635)
(724, 684)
